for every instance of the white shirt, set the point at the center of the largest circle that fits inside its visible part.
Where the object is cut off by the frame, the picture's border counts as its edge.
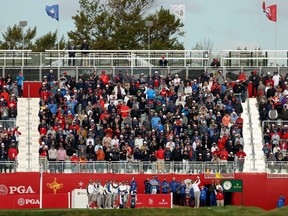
(90, 188)
(122, 189)
(195, 186)
(114, 188)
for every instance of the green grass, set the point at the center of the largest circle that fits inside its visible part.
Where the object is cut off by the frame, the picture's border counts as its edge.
(228, 210)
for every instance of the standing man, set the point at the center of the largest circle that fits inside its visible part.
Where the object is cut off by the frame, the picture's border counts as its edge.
(100, 195)
(71, 53)
(212, 191)
(240, 159)
(115, 193)
(85, 53)
(165, 187)
(280, 202)
(108, 194)
(90, 190)
(3, 158)
(173, 188)
(163, 62)
(12, 156)
(196, 189)
(20, 83)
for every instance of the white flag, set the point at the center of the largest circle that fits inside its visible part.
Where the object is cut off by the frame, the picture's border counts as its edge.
(179, 11)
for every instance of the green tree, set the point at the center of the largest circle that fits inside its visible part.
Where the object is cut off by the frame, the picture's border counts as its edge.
(16, 38)
(48, 42)
(120, 24)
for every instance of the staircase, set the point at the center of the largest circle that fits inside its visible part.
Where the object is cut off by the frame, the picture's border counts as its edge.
(28, 161)
(253, 137)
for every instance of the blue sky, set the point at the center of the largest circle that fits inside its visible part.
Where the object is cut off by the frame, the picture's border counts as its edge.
(226, 23)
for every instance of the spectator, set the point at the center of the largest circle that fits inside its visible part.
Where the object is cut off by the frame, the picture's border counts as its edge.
(20, 84)
(3, 158)
(85, 53)
(71, 53)
(280, 202)
(215, 63)
(163, 62)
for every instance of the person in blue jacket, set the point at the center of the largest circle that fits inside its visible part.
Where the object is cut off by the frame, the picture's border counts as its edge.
(280, 202)
(203, 195)
(192, 197)
(133, 185)
(173, 188)
(165, 187)
(20, 83)
(212, 189)
(181, 188)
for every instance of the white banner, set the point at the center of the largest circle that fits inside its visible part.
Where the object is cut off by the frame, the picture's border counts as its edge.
(179, 11)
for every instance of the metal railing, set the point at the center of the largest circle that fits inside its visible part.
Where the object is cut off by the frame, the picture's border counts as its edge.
(277, 169)
(8, 124)
(158, 167)
(8, 166)
(276, 123)
(144, 58)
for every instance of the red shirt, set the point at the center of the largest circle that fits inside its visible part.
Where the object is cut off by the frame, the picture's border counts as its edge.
(160, 154)
(241, 154)
(104, 78)
(220, 195)
(224, 155)
(12, 153)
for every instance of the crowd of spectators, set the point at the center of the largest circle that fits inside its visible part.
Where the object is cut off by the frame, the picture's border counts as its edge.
(153, 119)
(272, 96)
(9, 134)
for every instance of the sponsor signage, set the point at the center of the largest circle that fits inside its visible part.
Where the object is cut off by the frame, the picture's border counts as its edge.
(6, 190)
(232, 185)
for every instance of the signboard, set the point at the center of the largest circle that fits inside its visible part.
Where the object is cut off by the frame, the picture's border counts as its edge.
(232, 185)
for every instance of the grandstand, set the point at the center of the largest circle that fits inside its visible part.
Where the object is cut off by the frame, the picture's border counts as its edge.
(125, 67)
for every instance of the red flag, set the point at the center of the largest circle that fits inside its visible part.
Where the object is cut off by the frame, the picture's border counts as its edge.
(270, 11)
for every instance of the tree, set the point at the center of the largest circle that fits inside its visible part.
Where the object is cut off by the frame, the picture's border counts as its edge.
(48, 42)
(165, 31)
(120, 24)
(16, 38)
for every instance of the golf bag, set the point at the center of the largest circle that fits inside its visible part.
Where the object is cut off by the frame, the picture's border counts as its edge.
(122, 200)
(133, 199)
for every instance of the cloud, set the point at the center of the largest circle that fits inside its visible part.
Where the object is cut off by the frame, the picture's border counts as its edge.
(68, 9)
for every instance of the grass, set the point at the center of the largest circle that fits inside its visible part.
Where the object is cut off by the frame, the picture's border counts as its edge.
(227, 210)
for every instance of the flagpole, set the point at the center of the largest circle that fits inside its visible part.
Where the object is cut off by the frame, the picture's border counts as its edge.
(275, 39)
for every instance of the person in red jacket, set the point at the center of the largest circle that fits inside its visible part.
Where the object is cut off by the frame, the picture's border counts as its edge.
(224, 157)
(240, 159)
(220, 197)
(104, 78)
(160, 158)
(12, 156)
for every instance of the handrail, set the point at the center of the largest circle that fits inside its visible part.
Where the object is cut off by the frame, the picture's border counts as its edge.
(251, 134)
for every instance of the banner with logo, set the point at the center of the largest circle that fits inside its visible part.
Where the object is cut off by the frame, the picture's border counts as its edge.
(232, 185)
(32, 201)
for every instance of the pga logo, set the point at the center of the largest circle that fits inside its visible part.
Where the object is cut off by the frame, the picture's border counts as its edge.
(22, 202)
(4, 190)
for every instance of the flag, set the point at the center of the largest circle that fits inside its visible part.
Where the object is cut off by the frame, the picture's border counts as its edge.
(270, 12)
(179, 11)
(53, 11)
(218, 176)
